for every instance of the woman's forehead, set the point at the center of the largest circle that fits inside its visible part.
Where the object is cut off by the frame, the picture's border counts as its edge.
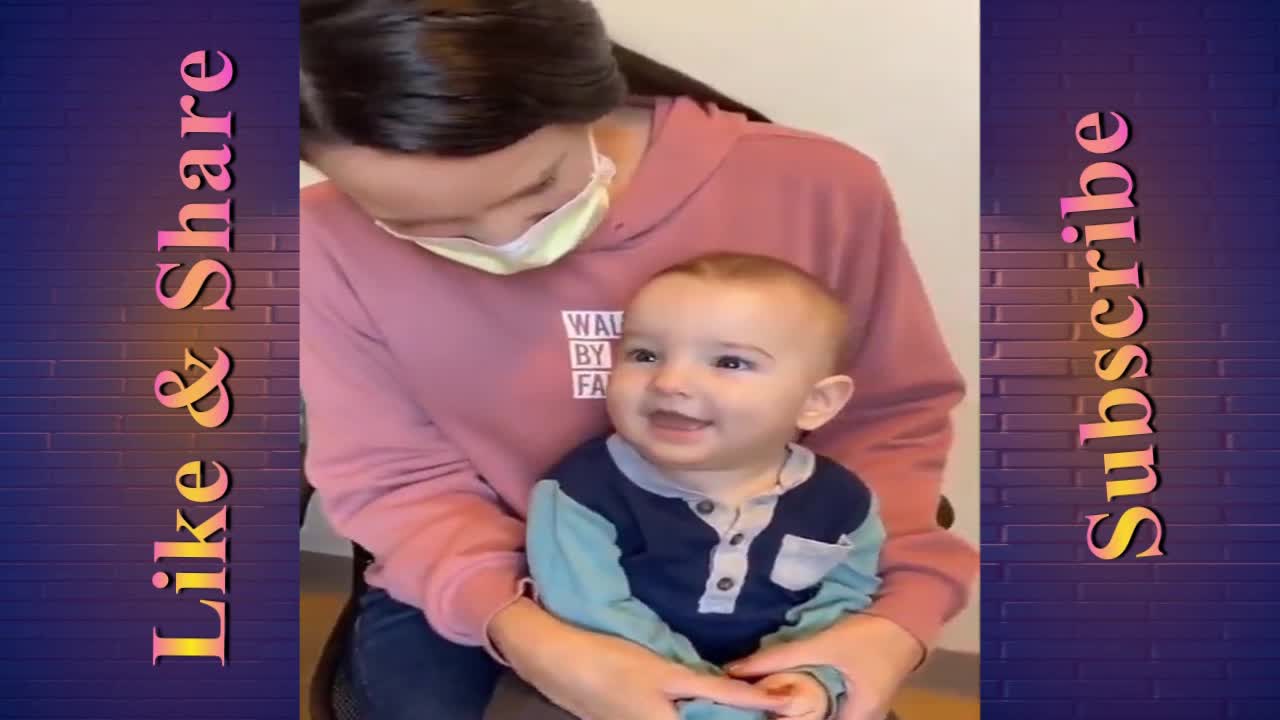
(389, 184)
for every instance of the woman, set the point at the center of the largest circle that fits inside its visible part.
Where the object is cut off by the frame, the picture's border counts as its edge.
(494, 197)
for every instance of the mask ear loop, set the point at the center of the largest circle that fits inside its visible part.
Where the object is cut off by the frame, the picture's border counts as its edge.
(602, 168)
(595, 152)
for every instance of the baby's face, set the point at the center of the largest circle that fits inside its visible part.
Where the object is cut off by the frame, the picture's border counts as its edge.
(710, 374)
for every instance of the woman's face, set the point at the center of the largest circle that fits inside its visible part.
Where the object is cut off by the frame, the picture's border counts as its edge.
(490, 198)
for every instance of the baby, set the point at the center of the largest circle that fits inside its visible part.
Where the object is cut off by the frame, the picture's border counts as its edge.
(700, 529)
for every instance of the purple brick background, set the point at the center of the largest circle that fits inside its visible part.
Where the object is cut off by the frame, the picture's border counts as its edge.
(1190, 635)
(90, 118)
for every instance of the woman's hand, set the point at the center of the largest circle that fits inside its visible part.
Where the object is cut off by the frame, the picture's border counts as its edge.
(597, 677)
(806, 698)
(874, 654)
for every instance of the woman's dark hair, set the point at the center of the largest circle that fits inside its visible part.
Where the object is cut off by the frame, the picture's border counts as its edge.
(646, 76)
(466, 77)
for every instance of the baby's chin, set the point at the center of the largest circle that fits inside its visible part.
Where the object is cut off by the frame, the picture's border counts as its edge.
(675, 455)
(685, 458)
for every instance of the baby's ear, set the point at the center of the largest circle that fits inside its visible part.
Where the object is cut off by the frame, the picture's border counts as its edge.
(827, 398)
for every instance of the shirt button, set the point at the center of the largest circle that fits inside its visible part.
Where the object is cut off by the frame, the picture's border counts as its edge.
(705, 507)
(725, 583)
(737, 539)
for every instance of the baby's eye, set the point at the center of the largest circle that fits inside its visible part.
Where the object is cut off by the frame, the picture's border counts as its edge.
(641, 355)
(733, 362)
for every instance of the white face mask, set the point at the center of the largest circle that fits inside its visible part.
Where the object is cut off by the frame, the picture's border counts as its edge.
(545, 242)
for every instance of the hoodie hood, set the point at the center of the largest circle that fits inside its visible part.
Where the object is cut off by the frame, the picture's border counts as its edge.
(689, 142)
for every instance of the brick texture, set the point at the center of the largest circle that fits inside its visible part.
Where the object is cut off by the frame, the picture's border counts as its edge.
(1190, 634)
(90, 113)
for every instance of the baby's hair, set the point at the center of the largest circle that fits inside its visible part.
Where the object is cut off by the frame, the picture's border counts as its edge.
(749, 268)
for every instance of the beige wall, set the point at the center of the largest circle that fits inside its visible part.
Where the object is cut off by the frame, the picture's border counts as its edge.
(898, 81)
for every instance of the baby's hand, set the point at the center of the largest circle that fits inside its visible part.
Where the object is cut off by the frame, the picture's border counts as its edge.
(806, 697)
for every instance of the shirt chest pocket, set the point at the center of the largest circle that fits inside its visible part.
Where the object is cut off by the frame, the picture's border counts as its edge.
(802, 563)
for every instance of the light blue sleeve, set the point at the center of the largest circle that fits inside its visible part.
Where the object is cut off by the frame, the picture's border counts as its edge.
(573, 559)
(574, 562)
(846, 589)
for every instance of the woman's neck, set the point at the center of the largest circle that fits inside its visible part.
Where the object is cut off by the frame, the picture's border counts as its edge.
(623, 136)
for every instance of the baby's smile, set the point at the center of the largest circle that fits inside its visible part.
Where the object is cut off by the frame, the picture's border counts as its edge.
(672, 425)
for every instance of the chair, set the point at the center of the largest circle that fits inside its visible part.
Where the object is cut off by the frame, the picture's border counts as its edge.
(332, 696)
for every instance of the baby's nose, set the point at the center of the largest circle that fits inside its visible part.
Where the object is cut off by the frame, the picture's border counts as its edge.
(671, 379)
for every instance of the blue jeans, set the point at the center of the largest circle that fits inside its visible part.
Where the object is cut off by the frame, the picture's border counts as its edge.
(404, 670)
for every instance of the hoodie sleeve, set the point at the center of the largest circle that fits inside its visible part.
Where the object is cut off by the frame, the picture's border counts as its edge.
(387, 477)
(896, 431)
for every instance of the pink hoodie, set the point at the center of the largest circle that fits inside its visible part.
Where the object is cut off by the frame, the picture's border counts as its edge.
(437, 394)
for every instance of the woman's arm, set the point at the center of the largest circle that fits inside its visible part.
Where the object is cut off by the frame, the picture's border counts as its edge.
(387, 477)
(896, 431)
(895, 434)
